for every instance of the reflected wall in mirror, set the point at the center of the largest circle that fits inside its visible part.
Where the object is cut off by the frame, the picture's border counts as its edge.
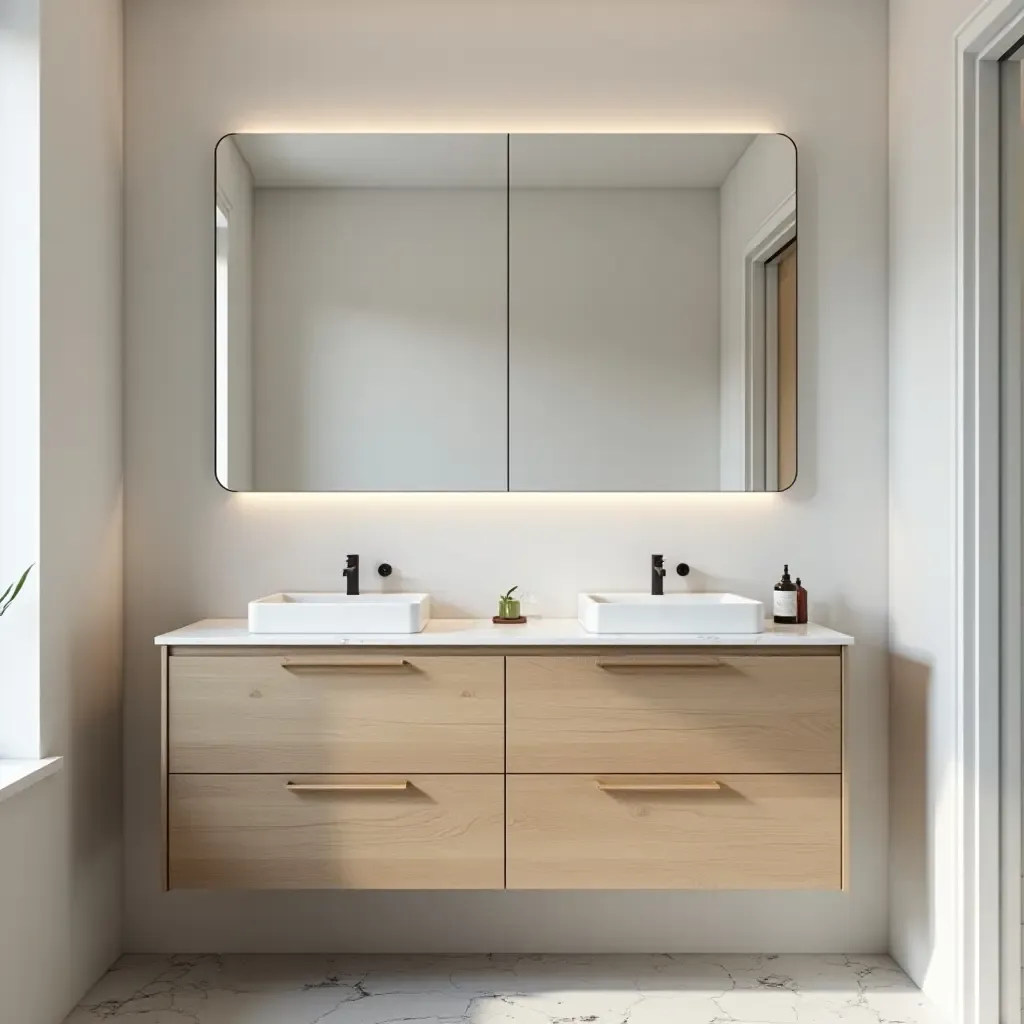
(361, 314)
(577, 312)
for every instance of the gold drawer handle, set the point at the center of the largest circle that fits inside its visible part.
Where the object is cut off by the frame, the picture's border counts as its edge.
(332, 664)
(697, 786)
(384, 786)
(674, 663)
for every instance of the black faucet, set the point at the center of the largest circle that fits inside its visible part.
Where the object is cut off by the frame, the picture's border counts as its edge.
(657, 575)
(351, 574)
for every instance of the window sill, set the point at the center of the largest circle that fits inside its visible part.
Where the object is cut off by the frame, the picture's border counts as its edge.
(18, 775)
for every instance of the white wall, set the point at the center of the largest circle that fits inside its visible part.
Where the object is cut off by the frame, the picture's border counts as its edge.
(61, 854)
(922, 486)
(19, 370)
(364, 301)
(370, 305)
(613, 339)
(760, 181)
(235, 194)
(196, 71)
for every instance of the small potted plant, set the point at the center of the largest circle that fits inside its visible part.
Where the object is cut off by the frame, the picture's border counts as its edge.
(509, 608)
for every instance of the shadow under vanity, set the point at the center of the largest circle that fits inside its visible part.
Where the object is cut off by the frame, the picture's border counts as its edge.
(560, 312)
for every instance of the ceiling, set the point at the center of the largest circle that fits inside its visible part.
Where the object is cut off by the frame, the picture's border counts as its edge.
(623, 161)
(342, 160)
(375, 161)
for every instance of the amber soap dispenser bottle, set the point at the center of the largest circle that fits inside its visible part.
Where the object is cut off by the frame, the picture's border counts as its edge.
(784, 600)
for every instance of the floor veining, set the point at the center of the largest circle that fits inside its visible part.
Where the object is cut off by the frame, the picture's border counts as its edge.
(505, 989)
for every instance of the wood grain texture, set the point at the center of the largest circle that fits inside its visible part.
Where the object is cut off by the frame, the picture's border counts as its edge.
(756, 832)
(746, 714)
(261, 715)
(252, 832)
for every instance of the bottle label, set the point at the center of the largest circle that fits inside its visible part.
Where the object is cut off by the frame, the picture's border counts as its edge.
(785, 604)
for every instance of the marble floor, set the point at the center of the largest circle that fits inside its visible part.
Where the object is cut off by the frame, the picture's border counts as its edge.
(505, 989)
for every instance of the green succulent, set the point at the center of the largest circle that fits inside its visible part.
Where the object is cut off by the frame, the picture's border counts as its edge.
(508, 606)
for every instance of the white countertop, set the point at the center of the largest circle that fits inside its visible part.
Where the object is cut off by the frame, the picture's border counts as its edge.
(538, 632)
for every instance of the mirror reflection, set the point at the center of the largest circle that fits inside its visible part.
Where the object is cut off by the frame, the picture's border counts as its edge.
(637, 267)
(577, 312)
(363, 301)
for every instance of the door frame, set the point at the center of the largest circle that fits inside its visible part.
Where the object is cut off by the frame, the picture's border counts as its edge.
(1012, 526)
(986, 776)
(775, 232)
(772, 353)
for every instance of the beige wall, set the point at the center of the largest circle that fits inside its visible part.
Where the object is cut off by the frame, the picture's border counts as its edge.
(61, 852)
(196, 71)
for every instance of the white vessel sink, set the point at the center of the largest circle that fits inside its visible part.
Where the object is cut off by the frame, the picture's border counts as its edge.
(339, 613)
(671, 613)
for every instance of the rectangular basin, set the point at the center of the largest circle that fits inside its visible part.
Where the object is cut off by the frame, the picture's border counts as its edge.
(339, 613)
(670, 613)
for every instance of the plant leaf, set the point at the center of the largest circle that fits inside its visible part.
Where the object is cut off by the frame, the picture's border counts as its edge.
(17, 589)
(508, 596)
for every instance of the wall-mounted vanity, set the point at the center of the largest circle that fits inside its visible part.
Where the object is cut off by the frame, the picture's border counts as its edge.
(559, 312)
(472, 756)
(548, 312)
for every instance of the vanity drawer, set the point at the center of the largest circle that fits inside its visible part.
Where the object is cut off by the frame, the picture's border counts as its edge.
(335, 712)
(336, 831)
(664, 832)
(675, 713)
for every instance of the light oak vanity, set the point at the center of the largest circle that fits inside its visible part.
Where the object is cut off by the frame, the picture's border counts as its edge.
(472, 756)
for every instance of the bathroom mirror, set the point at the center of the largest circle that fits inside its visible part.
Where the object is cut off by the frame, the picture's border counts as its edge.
(551, 312)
